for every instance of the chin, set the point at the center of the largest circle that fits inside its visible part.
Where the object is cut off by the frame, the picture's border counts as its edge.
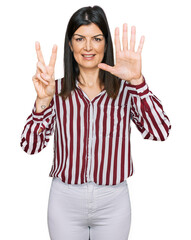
(89, 65)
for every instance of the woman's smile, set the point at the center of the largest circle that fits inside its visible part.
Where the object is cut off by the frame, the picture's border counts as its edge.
(88, 56)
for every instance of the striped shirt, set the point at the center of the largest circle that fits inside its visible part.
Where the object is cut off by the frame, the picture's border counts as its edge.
(92, 137)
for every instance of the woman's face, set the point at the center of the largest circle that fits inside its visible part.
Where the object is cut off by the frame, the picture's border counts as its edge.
(88, 44)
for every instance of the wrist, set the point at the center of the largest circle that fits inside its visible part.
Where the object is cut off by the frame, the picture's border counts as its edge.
(42, 104)
(137, 81)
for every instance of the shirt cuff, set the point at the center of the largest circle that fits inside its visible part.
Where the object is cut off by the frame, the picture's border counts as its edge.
(142, 89)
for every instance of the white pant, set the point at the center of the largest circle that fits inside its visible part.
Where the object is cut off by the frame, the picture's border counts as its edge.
(88, 211)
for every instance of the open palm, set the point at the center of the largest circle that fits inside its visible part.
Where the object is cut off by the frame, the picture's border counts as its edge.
(128, 61)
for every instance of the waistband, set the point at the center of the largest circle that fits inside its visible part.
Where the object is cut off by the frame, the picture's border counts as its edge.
(91, 183)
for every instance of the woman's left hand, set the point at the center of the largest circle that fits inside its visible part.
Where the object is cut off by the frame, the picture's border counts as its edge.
(128, 61)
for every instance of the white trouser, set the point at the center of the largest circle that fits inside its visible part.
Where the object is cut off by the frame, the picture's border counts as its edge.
(88, 211)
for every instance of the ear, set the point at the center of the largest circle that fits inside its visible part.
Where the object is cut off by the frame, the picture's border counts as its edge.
(71, 48)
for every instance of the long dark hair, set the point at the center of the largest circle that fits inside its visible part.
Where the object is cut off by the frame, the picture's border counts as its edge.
(86, 16)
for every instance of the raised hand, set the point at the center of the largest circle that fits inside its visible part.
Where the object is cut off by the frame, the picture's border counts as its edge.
(44, 81)
(128, 61)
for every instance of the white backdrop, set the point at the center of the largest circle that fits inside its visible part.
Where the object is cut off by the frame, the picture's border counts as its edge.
(160, 187)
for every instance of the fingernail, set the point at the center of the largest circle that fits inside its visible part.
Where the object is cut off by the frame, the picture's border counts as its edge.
(54, 47)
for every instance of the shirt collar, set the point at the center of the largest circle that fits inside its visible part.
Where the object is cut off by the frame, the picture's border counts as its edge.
(77, 85)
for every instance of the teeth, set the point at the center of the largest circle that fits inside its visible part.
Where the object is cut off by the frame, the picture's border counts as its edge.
(88, 55)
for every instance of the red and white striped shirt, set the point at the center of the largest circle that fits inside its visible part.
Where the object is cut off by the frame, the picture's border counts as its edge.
(92, 138)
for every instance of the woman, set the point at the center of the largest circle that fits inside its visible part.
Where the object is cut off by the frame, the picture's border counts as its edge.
(89, 111)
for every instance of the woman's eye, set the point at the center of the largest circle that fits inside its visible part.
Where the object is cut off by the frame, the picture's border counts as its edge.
(97, 39)
(79, 39)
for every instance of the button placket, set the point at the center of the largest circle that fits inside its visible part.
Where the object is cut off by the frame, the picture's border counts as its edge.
(88, 157)
(90, 141)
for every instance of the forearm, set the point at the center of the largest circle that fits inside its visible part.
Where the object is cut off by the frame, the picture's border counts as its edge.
(39, 126)
(148, 114)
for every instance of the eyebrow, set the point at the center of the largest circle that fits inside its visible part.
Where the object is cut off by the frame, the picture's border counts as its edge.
(93, 36)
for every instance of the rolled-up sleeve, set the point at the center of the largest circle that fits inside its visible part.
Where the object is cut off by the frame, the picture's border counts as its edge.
(38, 129)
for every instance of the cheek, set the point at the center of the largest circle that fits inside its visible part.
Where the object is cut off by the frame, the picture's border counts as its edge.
(75, 48)
(76, 53)
(101, 49)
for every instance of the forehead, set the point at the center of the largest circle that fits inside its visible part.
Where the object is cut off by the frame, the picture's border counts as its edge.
(88, 30)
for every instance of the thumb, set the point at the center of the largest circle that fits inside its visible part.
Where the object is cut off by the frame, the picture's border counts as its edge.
(105, 67)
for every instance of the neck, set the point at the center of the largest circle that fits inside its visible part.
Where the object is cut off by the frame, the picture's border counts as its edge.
(89, 78)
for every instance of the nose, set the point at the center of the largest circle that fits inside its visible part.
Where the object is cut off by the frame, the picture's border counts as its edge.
(88, 45)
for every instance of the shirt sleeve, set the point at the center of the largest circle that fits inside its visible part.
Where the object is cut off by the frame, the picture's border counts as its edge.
(147, 113)
(38, 129)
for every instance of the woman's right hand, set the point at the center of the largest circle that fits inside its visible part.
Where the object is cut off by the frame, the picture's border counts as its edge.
(44, 81)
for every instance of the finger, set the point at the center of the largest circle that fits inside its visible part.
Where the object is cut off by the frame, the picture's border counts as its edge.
(41, 67)
(53, 56)
(42, 76)
(125, 37)
(132, 40)
(39, 53)
(46, 77)
(50, 71)
(140, 47)
(105, 67)
(38, 76)
(117, 40)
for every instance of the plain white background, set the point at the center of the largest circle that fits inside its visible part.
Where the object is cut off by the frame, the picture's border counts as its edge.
(160, 187)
